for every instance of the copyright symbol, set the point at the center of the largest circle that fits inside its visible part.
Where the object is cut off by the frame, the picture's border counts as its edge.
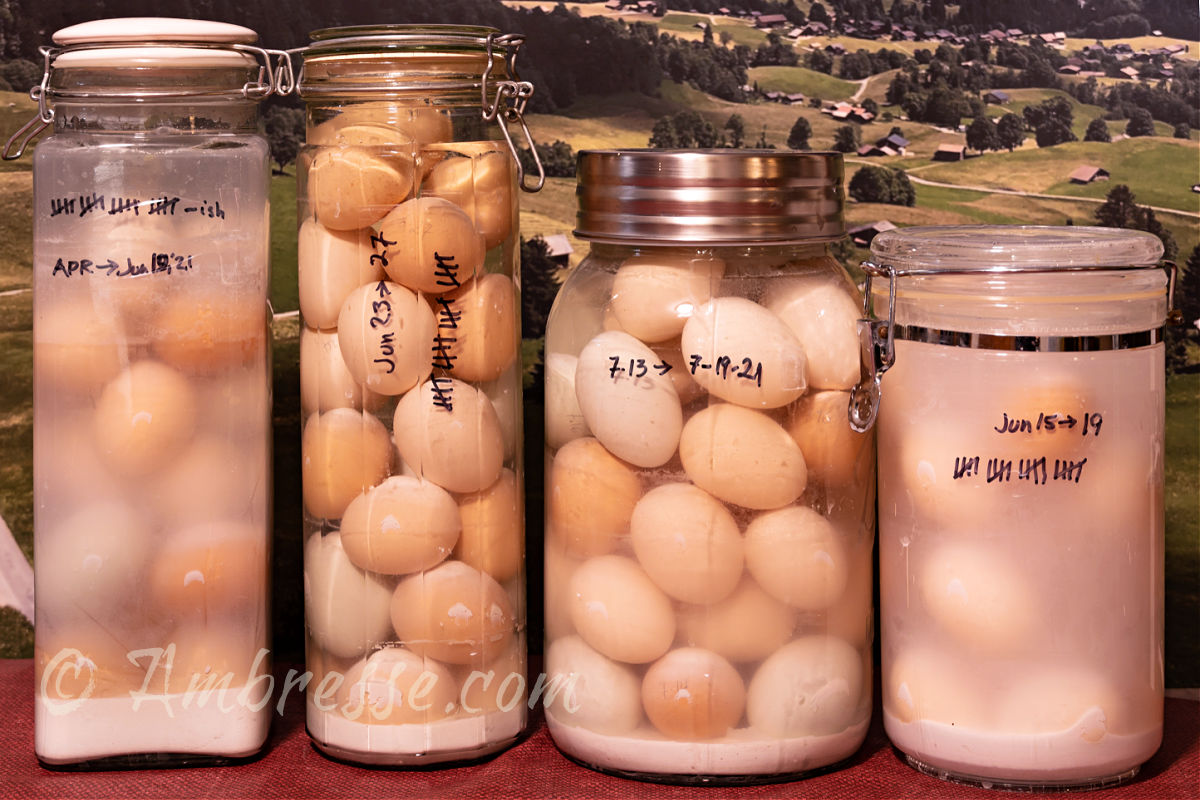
(61, 678)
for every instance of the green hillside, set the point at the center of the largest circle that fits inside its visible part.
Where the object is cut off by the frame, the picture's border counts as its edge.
(800, 79)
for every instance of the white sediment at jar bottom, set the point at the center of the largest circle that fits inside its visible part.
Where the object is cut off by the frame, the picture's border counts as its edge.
(107, 727)
(743, 752)
(459, 738)
(1079, 754)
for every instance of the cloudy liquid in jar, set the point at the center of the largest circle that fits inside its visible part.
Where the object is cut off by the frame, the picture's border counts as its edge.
(151, 445)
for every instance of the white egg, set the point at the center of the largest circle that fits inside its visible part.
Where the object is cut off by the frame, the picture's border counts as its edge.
(325, 382)
(346, 610)
(687, 542)
(330, 265)
(395, 686)
(629, 405)
(93, 559)
(564, 418)
(449, 433)
(386, 335)
(655, 293)
(619, 611)
(977, 595)
(824, 315)
(744, 354)
(810, 687)
(796, 555)
(589, 690)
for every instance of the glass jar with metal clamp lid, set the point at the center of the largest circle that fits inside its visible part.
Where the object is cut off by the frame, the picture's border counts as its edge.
(411, 392)
(1020, 496)
(152, 478)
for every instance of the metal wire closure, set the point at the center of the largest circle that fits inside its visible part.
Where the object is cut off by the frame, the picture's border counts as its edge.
(878, 337)
(274, 77)
(517, 92)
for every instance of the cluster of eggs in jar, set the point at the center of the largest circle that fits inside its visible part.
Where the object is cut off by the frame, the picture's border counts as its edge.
(409, 374)
(966, 576)
(709, 508)
(152, 466)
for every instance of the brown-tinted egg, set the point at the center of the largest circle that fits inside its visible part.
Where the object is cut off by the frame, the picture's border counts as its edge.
(438, 249)
(143, 417)
(344, 453)
(748, 625)
(77, 348)
(211, 569)
(477, 328)
(481, 184)
(796, 555)
(492, 538)
(592, 494)
(691, 694)
(453, 613)
(402, 525)
(833, 451)
(204, 333)
(352, 187)
(619, 611)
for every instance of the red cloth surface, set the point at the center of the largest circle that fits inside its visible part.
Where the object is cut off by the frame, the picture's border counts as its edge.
(291, 767)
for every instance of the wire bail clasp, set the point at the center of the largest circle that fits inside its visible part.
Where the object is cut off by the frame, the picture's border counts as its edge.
(33, 128)
(878, 350)
(508, 104)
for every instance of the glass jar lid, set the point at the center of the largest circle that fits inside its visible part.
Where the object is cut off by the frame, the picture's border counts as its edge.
(710, 197)
(1012, 247)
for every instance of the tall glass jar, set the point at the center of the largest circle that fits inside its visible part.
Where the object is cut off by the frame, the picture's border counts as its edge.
(152, 479)
(709, 506)
(1021, 516)
(411, 390)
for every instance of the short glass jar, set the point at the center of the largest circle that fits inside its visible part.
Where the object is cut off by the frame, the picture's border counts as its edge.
(410, 376)
(1021, 516)
(152, 398)
(710, 509)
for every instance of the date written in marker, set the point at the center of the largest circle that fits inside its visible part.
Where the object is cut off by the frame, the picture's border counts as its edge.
(728, 367)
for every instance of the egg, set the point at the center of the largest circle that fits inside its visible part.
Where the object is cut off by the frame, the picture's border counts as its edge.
(75, 663)
(497, 686)
(744, 354)
(421, 124)
(493, 528)
(833, 451)
(692, 694)
(93, 559)
(977, 596)
(743, 457)
(809, 687)
(212, 478)
(386, 332)
(506, 395)
(823, 314)
(587, 690)
(687, 542)
(564, 418)
(654, 293)
(453, 613)
(211, 569)
(922, 683)
(796, 555)
(352, 187)
(76, 348)
(619, 611)
(214, 663)
(852, 615)
(1046, 699)
(438, 248)
(481, 184)
(395, 686)
(748, 625)
(558, 568)
(680, 373)
(143, 417)
(628, 404)
(325, 382)
(68, 448)
(918, 477)
(330, 265)
(343, 453)
(204, 333)
(392, 145)
(347, 611)
(449, 433)
(402, 525)
(477, 328)
(591, 498)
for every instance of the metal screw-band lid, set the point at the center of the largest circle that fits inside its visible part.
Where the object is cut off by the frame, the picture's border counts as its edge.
(711, 197)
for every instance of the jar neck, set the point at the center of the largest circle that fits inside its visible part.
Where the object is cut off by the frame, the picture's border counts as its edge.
(800, 250)
(91, 117)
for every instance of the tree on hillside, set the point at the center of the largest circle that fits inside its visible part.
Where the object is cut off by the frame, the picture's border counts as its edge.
(735, 126)
(873, 184)
(762, 143)
(663, 134)
(1120, 210)
(539, 285)
(1010, 132)
(818, 14)
(845, 139)
(1183, 131)
(798, 137)
(820, 61)
(1097, 131)
(1187, 289)
(871, 107)
(982, 135)
(1052, 132)
(558, 159)
(284, 127)
(1140, 123)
